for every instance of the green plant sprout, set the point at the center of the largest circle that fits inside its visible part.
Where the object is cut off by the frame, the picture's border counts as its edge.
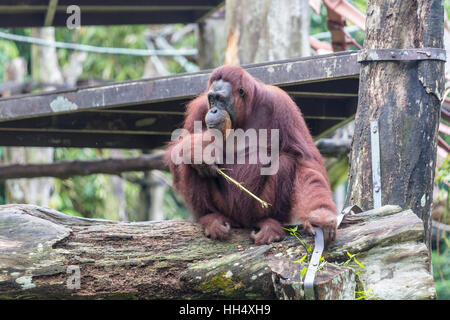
(365, 294)
(304, 261)
(350, 262)
(361, 295)
(293, 232)
(352, 257)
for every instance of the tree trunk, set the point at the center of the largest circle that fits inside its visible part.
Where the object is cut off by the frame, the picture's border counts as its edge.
(211, 39)
(405, 98)
(266, 30)
(46, 254)
(115, 203)
(157, 192)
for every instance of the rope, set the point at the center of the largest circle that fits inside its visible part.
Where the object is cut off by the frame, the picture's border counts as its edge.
(89, 48)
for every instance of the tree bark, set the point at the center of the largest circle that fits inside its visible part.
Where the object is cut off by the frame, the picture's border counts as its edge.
(405, 98)
(41, 251)
(266, 30)
(211, 39)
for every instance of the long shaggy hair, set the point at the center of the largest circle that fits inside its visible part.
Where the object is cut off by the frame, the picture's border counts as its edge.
(300, 184)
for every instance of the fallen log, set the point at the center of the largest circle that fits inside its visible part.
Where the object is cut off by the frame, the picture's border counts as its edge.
(47, 254)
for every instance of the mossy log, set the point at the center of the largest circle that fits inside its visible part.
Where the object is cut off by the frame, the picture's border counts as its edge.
(40, 248)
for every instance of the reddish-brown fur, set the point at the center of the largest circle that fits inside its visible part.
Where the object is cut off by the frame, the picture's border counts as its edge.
(299, 191)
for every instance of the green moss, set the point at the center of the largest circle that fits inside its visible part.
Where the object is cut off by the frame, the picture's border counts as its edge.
(221, 285)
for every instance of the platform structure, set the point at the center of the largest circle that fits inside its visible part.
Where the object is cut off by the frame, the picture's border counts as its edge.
(43, 13)
(143, 113)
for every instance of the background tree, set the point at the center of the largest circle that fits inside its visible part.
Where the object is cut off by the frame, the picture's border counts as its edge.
(266, 30)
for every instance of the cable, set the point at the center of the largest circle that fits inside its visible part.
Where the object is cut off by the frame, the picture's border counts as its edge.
(327, 34)
(89, 48)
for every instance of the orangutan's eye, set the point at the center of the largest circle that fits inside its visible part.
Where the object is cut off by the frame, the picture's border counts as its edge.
(241, 92)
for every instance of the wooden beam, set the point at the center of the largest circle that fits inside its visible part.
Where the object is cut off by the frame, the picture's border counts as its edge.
(18, 9)
(93, 131)
(322, 94)
(183, 86)
(206, 15)
(325, 118)
(334, 128)
(131, 111)
(82, 140)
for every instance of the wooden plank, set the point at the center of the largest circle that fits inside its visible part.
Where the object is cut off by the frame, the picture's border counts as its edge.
(29, 13)
(203, 16)
(286, 72)
(35, 19)
(347, 85)
(106, 122)
(118, 7)
(82, 140)
(19, 9)
(33, 3)
(322, 95)
(333, 128)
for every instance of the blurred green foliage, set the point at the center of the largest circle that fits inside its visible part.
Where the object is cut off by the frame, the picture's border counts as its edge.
(2, 184)
(115, 67)
(441, 269)
(8, 51)
(102, 66)
(89, 196)
(81, 196)
(441, 262)
(319, 23)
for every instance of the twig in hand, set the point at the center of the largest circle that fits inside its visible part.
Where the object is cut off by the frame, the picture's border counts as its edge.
(264, 204)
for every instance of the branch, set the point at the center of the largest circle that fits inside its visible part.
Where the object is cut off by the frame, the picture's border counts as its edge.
(334, 147)
(66, 169)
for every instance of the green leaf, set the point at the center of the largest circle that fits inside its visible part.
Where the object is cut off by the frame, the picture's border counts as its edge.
(358, 263)
(303, 271)
(301, 259)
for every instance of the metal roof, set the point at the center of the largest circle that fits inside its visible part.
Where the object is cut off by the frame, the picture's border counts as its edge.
(143, 113)
(39, 13)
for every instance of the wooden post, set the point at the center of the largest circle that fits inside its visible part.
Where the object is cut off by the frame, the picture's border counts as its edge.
(405, 98)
